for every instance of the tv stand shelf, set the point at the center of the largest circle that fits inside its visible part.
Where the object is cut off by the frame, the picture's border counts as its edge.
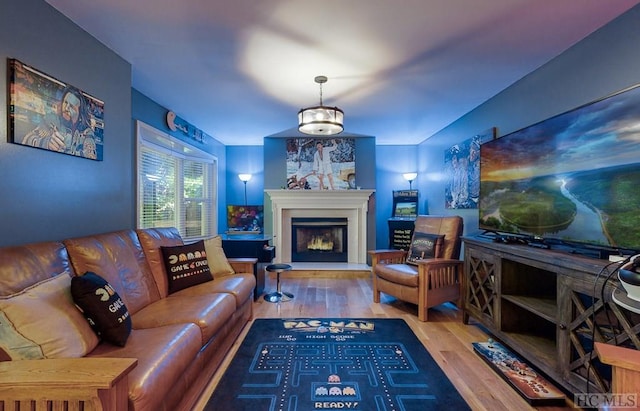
(544, 307)
(542, 304)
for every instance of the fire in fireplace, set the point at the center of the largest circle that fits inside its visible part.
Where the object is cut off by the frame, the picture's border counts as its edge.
(319, 239)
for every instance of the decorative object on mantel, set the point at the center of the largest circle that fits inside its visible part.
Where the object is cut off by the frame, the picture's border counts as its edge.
(49, 114)
(462, 167)
(189, 130)
(321, 120)
(321, 164)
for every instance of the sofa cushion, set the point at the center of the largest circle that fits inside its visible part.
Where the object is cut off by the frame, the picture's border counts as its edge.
(151, 239)
(218, 262)
(43, 322)
(209, 312)
(404, 274)
(25, 265)
(119, 259)
(186, 265)
(102, 306)
(164, 354)
(239, 285)
(424, 246)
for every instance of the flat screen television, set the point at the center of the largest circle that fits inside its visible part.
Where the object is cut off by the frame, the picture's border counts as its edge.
(571, 179)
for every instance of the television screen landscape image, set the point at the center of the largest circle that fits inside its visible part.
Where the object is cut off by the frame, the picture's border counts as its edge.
(574, 177)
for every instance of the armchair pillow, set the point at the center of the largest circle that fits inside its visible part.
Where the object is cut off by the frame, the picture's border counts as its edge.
(186, 265)
(424, 246)
(103, 308)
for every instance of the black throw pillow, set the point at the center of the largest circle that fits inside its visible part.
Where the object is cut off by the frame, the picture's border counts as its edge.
(102, 307)
(424, 246)
(186, 265)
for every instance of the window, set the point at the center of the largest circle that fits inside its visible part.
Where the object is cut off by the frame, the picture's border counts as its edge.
(176, 185)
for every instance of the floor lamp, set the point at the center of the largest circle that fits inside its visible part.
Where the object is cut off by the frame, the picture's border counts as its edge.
(410, 177)
(244, 178)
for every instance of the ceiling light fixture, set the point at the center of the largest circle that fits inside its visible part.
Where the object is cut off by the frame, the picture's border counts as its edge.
(320, 120)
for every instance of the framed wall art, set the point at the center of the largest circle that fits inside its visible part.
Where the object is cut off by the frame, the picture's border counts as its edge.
(321, 164)
(245, 219)
(49, 114)
(462, 168)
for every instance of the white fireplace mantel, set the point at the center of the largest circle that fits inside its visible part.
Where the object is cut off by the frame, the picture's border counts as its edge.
(349, 204)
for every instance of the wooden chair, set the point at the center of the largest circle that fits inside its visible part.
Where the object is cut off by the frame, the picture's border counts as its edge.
(426, 283)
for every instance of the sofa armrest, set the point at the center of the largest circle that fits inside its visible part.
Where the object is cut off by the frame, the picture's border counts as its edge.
(243, 264)
(439, 262)
(440, 273)
(387, 256)
(73, 383)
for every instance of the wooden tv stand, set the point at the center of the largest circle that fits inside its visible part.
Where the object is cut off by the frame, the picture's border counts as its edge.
(547, 306)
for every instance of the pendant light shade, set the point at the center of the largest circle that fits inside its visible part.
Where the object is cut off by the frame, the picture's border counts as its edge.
(321, 120)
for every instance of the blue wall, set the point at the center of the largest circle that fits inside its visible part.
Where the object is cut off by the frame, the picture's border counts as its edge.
(604, 62)
(600, 64)
(153, 114)
(241, 160)
(46, 195)
(391, 163)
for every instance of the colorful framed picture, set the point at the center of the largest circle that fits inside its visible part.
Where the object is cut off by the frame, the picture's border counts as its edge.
(245, 219)
(51, 115)
(462, 167)
(321, 164)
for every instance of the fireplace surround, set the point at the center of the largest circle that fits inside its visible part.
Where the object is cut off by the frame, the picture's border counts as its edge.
(349, 204)
(319, 240)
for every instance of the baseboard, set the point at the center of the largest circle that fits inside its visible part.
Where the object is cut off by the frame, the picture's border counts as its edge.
(326, 274)
(327, 270)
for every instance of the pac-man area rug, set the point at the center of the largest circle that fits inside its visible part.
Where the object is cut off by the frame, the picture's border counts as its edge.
(333, 363)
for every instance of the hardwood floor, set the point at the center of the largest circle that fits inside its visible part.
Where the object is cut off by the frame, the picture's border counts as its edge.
(444, 335)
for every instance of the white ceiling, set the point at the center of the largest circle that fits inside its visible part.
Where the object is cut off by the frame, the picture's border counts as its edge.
(400, 69)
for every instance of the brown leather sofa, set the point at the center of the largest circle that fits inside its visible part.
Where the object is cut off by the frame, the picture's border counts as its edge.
(177, 342)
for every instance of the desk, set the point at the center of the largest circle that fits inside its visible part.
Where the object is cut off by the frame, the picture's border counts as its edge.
(250, 246)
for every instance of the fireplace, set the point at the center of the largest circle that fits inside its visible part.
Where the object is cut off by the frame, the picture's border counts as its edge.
(351, 205)
(319, 239)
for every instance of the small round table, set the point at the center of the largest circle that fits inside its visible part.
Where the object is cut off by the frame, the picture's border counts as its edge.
(278, 295)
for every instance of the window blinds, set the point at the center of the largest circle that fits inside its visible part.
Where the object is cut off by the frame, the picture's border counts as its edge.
(174, 189)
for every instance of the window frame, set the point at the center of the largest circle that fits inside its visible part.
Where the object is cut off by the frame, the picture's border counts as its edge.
(150, 138)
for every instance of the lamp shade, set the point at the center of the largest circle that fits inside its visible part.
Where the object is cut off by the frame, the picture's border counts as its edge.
(244, 177)
(410, 176)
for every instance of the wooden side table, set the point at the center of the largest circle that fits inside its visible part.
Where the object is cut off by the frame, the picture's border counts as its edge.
(98, 383)
(626, 367)
(256, 246)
